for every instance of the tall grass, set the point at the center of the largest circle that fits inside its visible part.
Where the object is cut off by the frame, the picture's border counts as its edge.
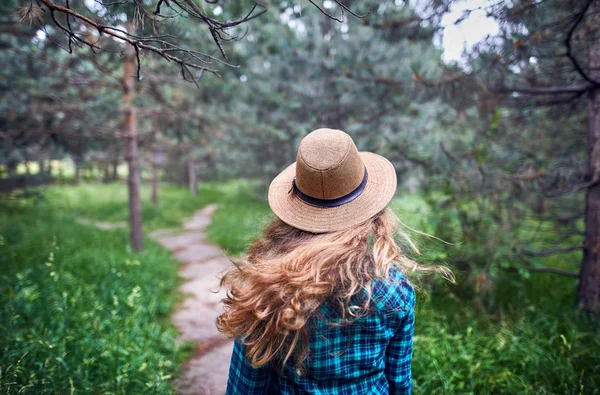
(80, 312)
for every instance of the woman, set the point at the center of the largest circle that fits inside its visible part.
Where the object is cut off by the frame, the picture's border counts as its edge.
(320, 304)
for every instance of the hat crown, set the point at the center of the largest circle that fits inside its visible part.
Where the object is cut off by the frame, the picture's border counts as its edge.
(328, 164)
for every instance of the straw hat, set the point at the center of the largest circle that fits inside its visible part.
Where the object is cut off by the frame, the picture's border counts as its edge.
(331, 186)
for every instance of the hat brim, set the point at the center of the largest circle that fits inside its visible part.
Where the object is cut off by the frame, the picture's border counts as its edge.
(380, 189)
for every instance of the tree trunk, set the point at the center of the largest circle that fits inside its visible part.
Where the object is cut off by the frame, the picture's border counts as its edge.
(115, 167)
(11, 168)
(154, 176)
(41, 169)
(106, 173)
(133, 179)
(589, 283)
(192, 179)
(77, 170)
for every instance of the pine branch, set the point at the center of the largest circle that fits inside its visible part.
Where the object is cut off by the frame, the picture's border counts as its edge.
(569, 53)
(139, 43)
(553, 251)
(546, 90)
(552, 270)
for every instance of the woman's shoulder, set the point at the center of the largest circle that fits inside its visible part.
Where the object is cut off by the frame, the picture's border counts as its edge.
(393, 293)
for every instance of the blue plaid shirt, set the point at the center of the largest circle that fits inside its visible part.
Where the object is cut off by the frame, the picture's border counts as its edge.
(372, 355)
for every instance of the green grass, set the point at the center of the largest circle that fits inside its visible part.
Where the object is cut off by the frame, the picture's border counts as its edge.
(534, 341)
(73, 317)
(80, 312)
(109, 203)
(240, 218)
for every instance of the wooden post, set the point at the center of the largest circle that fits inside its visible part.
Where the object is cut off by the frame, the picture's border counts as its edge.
(133, 179)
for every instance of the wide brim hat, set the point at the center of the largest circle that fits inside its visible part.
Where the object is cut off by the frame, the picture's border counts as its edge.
(331, 186)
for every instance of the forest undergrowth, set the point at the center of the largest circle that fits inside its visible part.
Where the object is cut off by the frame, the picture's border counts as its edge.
(82, 313)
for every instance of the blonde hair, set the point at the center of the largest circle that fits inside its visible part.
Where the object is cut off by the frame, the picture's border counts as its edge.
(288, 274)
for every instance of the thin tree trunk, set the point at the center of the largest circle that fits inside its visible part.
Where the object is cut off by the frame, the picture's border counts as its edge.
(133, 179)
(192, 179)
(115, 173)
(98, 173)
(41, 169)
(154, 176)
(77, 170)
(11, 168)
(106, 173)
(589, 284)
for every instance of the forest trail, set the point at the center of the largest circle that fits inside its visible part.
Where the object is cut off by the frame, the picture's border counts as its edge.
(201, 266)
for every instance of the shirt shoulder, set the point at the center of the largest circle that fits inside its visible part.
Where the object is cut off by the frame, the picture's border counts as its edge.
(394, 294)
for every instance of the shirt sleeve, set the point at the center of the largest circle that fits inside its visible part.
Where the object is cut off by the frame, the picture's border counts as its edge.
(243, 378)
(399, 352)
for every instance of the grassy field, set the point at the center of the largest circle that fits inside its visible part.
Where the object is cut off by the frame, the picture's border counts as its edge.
(109, 203)
(81, 312)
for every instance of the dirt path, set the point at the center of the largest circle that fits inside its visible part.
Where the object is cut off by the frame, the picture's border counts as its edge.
(201, 265)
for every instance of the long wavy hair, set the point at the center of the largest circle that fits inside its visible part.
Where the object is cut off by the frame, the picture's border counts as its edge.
(287, 274)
